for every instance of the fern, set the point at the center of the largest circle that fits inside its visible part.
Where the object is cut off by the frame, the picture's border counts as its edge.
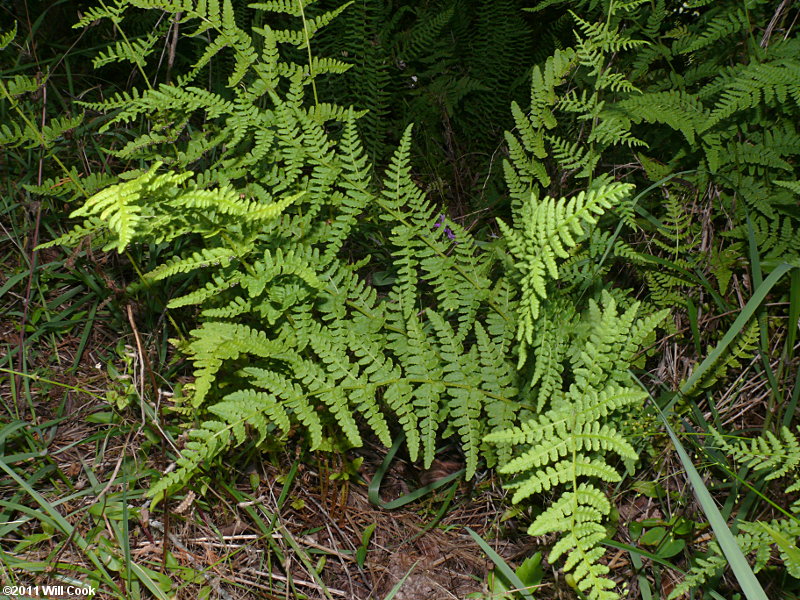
(771, 457)
(721, 25)
(744, 347)
(319, 345)
(610, 127)
(277, 201)
(569, 445)
(547, 229)
(8, 36)
(21, 131)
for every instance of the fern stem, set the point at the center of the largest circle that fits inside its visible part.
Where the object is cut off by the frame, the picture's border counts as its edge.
(131, 51)
(308, 49)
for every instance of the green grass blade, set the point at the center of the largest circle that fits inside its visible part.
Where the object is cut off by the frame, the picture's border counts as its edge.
(393, 592)
(502, 566)
(738, 325)
(59, 522)
(741, 569)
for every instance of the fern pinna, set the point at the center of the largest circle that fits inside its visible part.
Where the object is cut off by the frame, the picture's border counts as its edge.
(275, 193)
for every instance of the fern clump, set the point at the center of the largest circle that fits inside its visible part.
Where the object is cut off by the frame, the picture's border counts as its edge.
(320, 349)
(272, 199)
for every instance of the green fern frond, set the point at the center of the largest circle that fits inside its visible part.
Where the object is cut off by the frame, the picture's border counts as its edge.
(769, 454)
(293, 397)
(319, 66)
(569, 446)
(93, 228)
(73, 185)
(498, 386)
(572, 156)
(19, 84)
(13, 134)
(196, 260)
(576, 514)
(422, 36)
(546, 230)
(234, 308)
(720, 26)
(215, 342)
(203, 446)
(753, 84)
(678, 109)
(211, 289)
(742, 348)
(543, 86)
(111, 10)
(299, 37)
(7, 37)
(612, 129)
(250, 407)
(419, 358)
(463, 387)
(287, 7)
(134, 51)
(119, 205)
(789, 185)
(604, 37)
(703, 570)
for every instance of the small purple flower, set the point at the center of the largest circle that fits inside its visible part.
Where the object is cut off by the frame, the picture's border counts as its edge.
(447, 231)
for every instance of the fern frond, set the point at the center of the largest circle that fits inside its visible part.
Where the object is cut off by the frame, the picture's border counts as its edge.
(7, 37)
(211, 289)
(544, 82)
(111, 10)
(769, 454)
(678, 109)
(134, 51)
(196, 260)
(547, 229)
(498, 385)
(743, 347)
(250, 407)
(119, 205)
(215, 342)
(463, 386)
(293, 396)
(754, 84)
(722, 25)
(422, 365)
